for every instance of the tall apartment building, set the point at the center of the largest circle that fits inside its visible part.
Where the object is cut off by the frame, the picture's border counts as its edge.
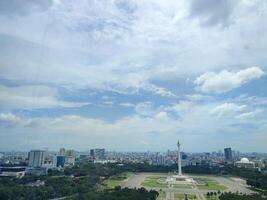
(98, 154)
(36, 158)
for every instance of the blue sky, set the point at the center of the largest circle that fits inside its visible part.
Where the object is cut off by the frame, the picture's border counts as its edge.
(133, 75)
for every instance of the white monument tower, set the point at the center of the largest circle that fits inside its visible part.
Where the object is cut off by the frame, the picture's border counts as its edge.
(179, 178)
(179, 163)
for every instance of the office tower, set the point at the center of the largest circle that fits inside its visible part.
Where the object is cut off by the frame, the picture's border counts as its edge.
(36, 158)
(228, 154)
(60, 161)
(98, 154)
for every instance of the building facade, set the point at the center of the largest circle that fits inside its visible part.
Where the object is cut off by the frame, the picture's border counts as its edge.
(98, 154)
(36, 158)
(228, 154)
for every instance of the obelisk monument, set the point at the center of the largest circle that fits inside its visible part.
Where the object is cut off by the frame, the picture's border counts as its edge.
(179, 163)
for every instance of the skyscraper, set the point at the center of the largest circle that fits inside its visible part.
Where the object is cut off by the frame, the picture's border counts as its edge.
(60, 161)
(97, 154)
(228, 154)
(36, 158)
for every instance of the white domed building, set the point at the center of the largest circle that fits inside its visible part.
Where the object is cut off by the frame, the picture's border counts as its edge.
(245, 163)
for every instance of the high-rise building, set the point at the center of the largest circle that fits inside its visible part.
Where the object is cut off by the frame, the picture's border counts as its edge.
(70, 157)
(70, 153)
(60, 161)
(98, 154)
(228, 154)
(62, 151)
(36, 158)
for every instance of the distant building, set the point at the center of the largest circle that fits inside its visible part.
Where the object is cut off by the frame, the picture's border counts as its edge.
(70, 153)
(228, 154)
(98, 154)
(160, 159)
(36, 171)
(60, 161)
(62, 151)
(184, 156)
(245, 163)
(70, 160)
(17, 172)
(36, 158)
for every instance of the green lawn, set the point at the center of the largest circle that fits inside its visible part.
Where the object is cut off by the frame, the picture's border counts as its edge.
(151, 182)
(212, 197)
(116, 180)
(183, 186)
(211, 184)
(162, 195)
(182, 196)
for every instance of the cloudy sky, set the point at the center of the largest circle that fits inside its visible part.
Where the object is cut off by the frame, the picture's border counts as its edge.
(133, 75)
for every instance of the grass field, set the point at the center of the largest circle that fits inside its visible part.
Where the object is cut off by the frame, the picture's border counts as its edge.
(212, 197)
(210, 184)
(151, 182)
(116, 180)
(162, 195)
(182, 186)
(182, 196)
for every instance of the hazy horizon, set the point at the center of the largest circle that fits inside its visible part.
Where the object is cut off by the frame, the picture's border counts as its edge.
(131, 75)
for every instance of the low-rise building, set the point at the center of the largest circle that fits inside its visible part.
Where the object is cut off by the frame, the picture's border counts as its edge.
(17, 172)
(245, 163)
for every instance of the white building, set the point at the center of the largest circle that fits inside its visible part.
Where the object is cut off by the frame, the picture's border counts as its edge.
(245, 163)
(70, 160)
(36, 158)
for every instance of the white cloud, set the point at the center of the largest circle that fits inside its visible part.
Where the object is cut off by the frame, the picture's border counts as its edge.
(145, 109)
(32, 97)
(9, 118)
(198, 97)
(150, 123)
(158, 90)
(125, 45)
(224, 81)
(226, 109)
(127, 104)
(248, 115)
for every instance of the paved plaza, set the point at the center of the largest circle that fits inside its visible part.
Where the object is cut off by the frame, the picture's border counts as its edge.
(229, 183)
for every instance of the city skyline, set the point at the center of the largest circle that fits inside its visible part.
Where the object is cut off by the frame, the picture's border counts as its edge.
(133, 76)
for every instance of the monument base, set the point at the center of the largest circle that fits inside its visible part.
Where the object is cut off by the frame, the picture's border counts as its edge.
(179, 179)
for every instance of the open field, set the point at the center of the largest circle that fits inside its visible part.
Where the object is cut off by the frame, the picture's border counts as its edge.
(210, 184)
(162, 195)
(212, 197)
(182, 196)
(184, 186)
(116, 180)
(151, 182)
(176, 192)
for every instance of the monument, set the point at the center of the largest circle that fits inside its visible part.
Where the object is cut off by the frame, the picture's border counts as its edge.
(178, 177)
(179, 163)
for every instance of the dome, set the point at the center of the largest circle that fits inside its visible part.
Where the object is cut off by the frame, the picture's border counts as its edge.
(244, 160)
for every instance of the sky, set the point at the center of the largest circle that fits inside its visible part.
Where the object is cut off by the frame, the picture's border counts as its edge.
(133, 75)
